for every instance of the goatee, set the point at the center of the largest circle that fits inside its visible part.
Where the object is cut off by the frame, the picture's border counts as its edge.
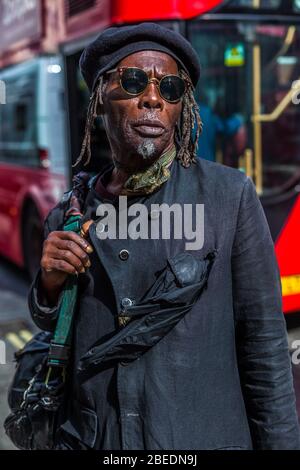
(146, 149)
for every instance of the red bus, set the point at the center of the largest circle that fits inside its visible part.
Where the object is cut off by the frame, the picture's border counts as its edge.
(249, 96)
(33, 164)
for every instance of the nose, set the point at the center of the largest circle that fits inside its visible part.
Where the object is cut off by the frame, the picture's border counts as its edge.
(151, 97)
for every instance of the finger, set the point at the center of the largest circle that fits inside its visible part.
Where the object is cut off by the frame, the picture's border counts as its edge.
(70, 258)
(73, 247)
(61, 265)
(69, 235)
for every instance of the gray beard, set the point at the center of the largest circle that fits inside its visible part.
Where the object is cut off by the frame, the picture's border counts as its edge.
(146, 149)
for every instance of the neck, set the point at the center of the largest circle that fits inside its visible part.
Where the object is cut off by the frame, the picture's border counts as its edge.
(121, 173)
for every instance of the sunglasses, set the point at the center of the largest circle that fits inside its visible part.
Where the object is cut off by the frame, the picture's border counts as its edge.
(134, 81)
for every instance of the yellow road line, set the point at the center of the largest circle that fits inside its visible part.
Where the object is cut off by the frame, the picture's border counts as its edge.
(26, 335)
(14, 339)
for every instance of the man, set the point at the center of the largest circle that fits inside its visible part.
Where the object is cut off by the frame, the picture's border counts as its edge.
(173, 348)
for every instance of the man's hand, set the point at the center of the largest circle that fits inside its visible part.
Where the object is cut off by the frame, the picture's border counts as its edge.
(64, 253)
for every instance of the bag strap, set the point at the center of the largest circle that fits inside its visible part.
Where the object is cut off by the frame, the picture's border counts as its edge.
(60, 346)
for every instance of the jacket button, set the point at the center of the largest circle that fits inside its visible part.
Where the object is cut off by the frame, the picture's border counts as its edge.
(100, 227)
(124, 255)
(126, 302)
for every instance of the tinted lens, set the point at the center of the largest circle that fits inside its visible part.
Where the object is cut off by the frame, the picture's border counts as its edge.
(134, 81)
(172, 87)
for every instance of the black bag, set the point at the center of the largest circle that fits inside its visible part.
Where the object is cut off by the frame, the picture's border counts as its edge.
(35, 402)
(37, 393)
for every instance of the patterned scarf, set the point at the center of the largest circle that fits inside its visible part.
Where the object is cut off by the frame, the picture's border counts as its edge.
(147, 181)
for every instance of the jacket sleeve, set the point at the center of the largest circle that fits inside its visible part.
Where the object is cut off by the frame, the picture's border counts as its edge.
(261, 337)
(42, 314)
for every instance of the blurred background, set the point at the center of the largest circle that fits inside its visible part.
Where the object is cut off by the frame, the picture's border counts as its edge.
(249, 98)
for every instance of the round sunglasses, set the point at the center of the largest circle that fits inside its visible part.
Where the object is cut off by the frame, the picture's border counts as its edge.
(134, 81)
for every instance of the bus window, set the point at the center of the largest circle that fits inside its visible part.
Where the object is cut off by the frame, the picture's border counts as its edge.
(222, 93)
(264, 4)
(20, 117)
(18, 130)
(279, 69)
(250, 121)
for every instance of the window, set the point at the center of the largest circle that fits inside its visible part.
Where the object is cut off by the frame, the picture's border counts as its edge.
(74, 7)
(18, 121)
(227, 100)
(263, 4)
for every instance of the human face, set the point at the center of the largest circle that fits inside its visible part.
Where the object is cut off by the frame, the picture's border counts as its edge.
(140, 128)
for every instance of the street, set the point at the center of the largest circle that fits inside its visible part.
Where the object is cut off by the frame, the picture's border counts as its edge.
(16, 328)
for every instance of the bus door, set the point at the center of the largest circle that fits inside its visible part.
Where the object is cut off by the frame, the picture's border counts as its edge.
(275, 154)
(249, 98)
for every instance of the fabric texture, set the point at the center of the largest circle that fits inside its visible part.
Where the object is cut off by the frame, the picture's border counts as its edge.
(150, 179)
(218, 378)
(115, 43)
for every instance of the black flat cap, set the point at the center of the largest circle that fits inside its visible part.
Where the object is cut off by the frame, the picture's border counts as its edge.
(116, 43)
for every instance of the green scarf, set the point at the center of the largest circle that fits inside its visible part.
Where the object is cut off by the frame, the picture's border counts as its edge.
(147, 181)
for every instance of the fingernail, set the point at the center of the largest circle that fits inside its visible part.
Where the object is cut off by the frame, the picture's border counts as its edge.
(88, 264)
(89, 249)
(82, 270)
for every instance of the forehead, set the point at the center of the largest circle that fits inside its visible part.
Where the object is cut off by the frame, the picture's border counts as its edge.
(160, 61)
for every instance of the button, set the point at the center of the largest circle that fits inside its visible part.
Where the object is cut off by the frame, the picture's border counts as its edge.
(126, 302)
(100, 227)
(124, 255)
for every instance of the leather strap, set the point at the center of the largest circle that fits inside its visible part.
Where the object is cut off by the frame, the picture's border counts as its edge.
(60, 346)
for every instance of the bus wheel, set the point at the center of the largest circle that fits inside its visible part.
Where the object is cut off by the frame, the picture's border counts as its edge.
(32, 240)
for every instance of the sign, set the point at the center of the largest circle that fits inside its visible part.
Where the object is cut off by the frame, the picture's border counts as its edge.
(19, 20)
(235, 55)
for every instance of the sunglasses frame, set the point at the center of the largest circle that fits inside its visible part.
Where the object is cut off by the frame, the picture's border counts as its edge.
(154, 80)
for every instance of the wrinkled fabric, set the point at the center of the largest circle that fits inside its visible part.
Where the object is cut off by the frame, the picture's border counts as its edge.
(156, 314)
(203, 362)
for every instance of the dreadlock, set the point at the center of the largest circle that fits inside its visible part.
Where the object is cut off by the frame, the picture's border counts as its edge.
(187, 145)
(95, 99)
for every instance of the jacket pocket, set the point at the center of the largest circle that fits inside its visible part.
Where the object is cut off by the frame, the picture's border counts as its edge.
(81, 426)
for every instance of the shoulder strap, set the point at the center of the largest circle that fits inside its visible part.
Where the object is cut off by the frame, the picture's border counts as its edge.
(75, 198)
(60, 347)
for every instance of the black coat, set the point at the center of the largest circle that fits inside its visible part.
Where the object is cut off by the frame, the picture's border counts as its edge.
(203, 362)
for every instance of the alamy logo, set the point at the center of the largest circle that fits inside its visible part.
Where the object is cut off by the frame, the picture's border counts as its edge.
(296, 93)
(176, 221)
(2, 92)
(296, 352)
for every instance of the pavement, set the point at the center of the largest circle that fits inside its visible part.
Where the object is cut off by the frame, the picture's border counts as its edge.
(16, 328)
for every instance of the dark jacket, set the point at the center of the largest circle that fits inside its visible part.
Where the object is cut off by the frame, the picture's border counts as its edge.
(203, 362)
